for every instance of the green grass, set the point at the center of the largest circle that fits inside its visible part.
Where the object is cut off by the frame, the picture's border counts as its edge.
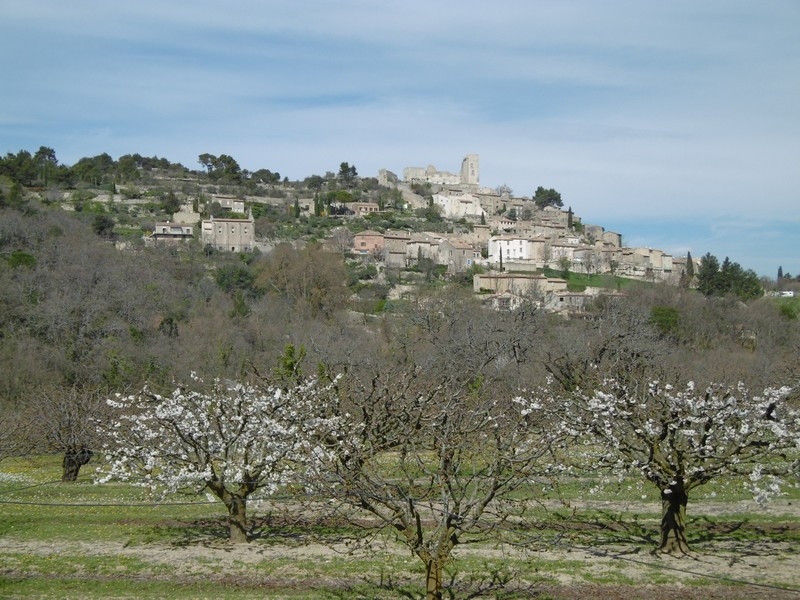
(53, 536)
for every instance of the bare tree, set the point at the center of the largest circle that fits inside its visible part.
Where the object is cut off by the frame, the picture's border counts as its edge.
(11, 442)
(439, 440)
(342, 239)
(314, 280)
(58, 419)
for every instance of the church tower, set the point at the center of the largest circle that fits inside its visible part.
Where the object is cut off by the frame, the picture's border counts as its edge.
(469, 170)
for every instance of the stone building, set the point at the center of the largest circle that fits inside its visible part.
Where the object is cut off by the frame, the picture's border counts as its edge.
(368, 242)
(459, 205)
(520, 284)
(233, 235)
(395, 247)
(457, 255)
(468, 176)
(169, 233)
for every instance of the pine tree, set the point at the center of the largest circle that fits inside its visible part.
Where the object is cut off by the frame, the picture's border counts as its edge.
(687, 277)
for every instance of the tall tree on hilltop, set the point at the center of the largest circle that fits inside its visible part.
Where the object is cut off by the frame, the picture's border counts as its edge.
(687, 277)
(729, 278)
(347, 174)
(46, 160)
(550, 197)
(707, 275)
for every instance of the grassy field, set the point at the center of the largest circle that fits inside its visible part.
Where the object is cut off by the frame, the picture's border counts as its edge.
(113, 541)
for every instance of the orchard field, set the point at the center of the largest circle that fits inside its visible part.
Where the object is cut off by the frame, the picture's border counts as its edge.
(83, 540)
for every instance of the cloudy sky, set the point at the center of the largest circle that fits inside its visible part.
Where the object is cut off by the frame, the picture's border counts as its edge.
(674, 123)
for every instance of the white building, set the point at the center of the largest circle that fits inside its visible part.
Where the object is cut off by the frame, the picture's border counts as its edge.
(459, 205)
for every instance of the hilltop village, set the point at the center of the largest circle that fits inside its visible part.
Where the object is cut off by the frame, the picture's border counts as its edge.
(505, 242)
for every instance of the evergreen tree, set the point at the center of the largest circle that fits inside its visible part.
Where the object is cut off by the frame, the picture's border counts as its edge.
(688, 274)
(707, 274)
(547, 197)
(729, 278)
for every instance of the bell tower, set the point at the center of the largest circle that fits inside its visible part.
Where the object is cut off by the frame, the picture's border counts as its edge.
(469, 170)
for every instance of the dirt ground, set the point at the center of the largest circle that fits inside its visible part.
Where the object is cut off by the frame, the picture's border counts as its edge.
(722, 567)
(763, 565)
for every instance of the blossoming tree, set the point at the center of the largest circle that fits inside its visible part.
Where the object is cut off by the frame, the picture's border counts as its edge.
(680, 439)
(233, 439)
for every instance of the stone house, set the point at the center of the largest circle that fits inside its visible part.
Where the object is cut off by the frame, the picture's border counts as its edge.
(479, 236)
(233, 235)
(422, 245)
(503, 301)
(457, 255)
(564, 301)
(519, 252)
(168, 233)
(555, 217)
(646, 263)
(395, 248)
(508, 248)
(520, 284)
(368, 242)
(363, 208)
(459, 206)
(230, 203)
(562, 250)
(186, 215)
(612, 238)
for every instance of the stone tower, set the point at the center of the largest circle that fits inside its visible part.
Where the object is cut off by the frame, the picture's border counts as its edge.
(469, 170)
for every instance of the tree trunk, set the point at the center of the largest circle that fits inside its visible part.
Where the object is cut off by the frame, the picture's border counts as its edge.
(237, 511)
(433, 578)
(72, 463)
(673, 519)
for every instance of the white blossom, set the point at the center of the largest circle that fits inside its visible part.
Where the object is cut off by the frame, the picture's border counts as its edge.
(234, 434)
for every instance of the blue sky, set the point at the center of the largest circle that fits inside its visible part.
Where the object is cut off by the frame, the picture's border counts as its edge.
(674, 123)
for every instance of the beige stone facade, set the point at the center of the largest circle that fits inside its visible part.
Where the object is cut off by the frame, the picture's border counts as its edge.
(469, 175)
(521, 284)
(231, 235)
(170, 233)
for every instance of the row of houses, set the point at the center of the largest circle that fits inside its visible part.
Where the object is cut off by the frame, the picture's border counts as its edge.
(520, 253)
(403, 249)
(226, 234)
(547, 238)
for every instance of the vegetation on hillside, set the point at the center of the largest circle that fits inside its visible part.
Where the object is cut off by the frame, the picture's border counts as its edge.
(437, 414)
